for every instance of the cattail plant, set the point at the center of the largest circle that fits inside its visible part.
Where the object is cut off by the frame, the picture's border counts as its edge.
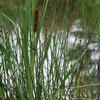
(55, 69)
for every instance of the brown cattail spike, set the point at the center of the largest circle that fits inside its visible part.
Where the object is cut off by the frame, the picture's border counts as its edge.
(36, 18)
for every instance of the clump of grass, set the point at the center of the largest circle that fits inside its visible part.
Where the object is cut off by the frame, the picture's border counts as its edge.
(27, 70)
(30, 69)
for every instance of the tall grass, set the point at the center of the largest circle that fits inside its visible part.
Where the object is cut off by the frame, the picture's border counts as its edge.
(34, 70)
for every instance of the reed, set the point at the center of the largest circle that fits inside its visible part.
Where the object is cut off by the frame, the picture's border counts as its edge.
(35, 69)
